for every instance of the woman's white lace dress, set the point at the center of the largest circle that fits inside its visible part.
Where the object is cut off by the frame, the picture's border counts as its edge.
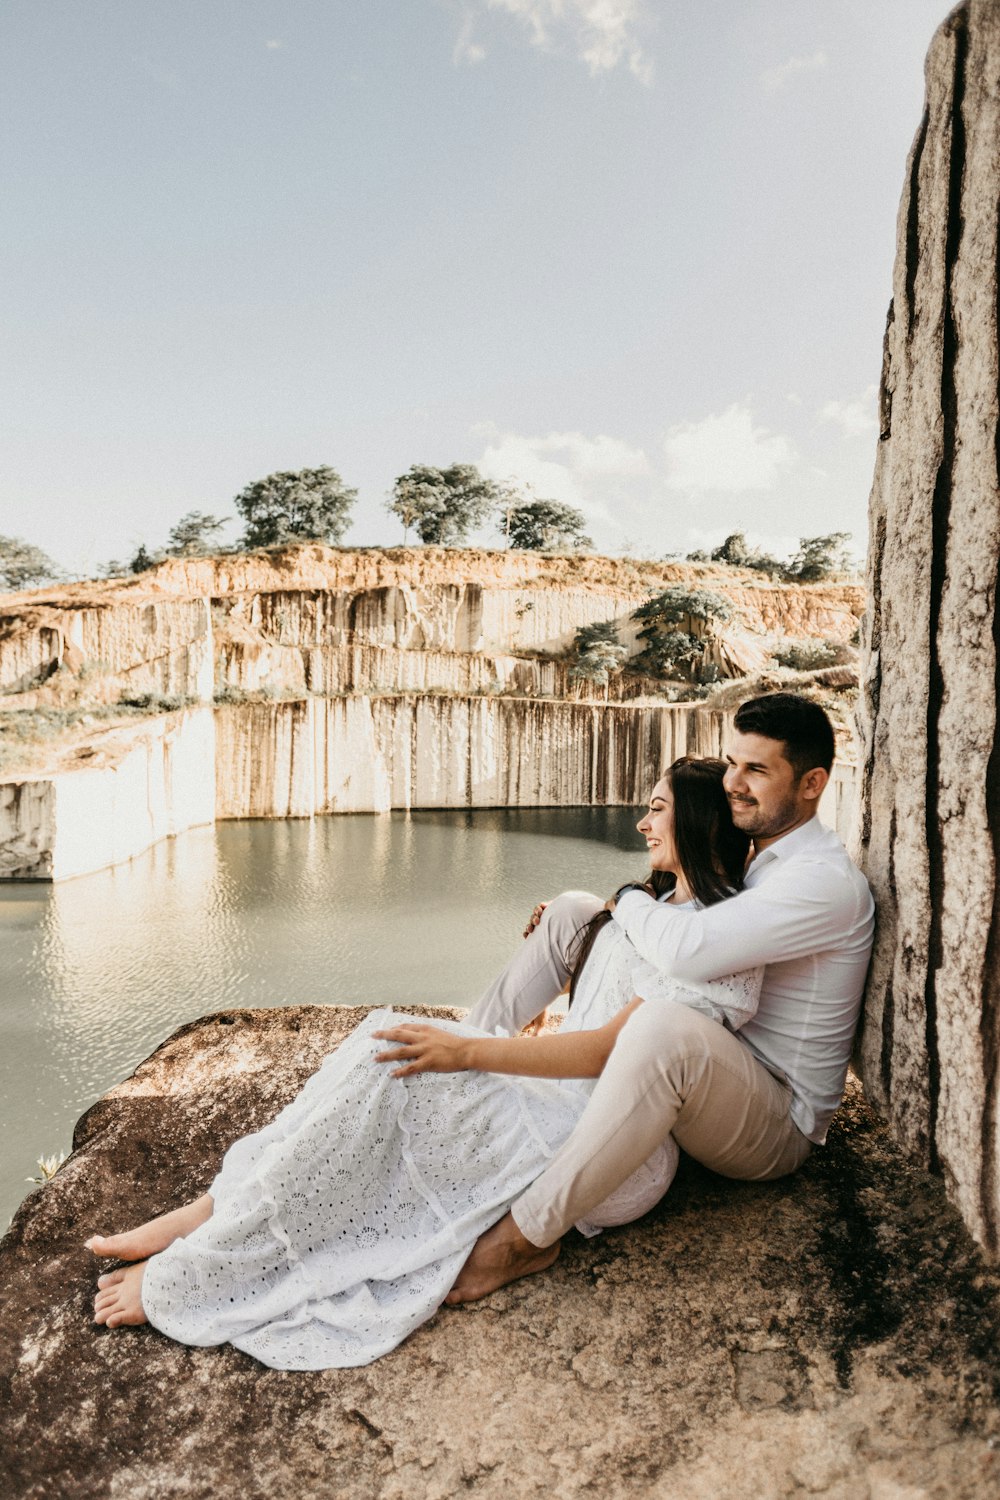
(341, 1227)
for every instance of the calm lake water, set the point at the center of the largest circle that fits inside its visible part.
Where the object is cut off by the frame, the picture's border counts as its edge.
(406, 908)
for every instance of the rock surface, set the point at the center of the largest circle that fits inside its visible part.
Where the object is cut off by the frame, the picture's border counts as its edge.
(831, 1335)
(930, 831)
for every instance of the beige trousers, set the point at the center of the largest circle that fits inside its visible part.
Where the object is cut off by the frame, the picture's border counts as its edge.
(673, 1071)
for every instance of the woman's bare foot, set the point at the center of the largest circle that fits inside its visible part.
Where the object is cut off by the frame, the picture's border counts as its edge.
(500, 1255)
(119, 1301)
(148, 1239)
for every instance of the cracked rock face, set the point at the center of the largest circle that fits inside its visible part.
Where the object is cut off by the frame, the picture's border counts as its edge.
(931, 792)
(834, 1333)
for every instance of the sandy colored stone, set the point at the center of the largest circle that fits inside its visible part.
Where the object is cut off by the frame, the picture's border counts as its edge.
(831, 1335)
(931, 796)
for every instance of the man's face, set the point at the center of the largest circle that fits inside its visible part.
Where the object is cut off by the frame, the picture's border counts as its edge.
(761, 786)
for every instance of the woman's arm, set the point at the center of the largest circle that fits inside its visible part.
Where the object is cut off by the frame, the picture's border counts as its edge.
(576, 1054)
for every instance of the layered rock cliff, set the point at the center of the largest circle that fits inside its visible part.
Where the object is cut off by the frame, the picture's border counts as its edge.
(930, 831)
(346, 681)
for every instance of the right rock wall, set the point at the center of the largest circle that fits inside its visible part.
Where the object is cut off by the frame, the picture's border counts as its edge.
(930, 798)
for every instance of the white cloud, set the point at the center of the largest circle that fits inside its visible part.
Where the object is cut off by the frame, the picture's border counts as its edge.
(466, 50)
(603, 34)
(725, 453)
(274, 44)
(855, 418)
(590, 473)
(774, 79)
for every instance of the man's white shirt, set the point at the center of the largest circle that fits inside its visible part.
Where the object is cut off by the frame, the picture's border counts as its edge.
(807, 914)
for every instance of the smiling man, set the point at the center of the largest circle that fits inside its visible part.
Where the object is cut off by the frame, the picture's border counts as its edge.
(749, 1104)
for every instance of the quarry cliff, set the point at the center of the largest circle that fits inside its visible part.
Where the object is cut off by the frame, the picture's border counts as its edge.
(312, 679)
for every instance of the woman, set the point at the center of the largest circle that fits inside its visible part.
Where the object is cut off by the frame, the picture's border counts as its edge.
(331, 1234)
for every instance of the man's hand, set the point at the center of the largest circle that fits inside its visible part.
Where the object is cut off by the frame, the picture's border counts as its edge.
(424, 1049)
(638, 885)
(535, 918)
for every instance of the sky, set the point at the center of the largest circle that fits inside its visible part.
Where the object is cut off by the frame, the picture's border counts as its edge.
(633, 254)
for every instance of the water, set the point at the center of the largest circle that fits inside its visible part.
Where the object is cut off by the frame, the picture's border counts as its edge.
(400, 909)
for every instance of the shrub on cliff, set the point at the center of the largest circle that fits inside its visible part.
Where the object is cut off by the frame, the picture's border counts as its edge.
(818, 557)
(310, 505)
(599, 654)
(443, 505)
(23, 565)
(545, 526)
(673, 627)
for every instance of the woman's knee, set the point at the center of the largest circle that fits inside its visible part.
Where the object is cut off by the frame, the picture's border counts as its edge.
(571, 910)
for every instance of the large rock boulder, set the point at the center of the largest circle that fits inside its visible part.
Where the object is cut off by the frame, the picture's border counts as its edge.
(833, 1334)
(930, 1050)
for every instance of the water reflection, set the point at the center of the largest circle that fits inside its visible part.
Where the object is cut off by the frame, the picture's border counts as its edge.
(419, 907)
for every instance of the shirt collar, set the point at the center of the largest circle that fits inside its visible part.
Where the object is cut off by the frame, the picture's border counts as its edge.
(790, 843)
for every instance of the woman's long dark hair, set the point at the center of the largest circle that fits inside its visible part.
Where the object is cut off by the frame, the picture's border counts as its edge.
(711, 850)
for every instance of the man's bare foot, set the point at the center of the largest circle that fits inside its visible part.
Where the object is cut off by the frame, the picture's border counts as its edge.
(500, 1255)
(119, 1301)
(148, 1239)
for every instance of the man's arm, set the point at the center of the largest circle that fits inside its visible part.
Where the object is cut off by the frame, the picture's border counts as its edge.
(801, 908)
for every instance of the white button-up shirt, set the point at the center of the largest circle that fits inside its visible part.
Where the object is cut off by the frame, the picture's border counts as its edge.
(807, 915)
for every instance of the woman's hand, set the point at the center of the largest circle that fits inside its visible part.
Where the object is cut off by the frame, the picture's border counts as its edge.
(424, 1049)
(535, 918)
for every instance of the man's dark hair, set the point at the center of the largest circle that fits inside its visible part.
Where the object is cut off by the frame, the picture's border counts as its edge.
(801, 726)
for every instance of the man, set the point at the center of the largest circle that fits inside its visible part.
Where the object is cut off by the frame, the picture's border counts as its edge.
(750, 1104)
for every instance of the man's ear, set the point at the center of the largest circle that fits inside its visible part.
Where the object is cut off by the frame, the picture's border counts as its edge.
(813, 784)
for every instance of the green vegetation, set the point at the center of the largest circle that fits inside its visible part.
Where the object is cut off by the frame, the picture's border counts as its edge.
(803, 654)
(672, 647)
(598, 654)
(24, 566)
(311, 505)
(818, 557)
(545, 526)
(443, 505)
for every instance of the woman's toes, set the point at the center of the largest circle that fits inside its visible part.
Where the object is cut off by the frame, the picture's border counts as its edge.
(111, 1278)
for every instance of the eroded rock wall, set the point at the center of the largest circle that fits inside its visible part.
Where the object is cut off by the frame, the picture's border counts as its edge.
(930, 800)
(160, 646)
(370, 754)
(147, 785)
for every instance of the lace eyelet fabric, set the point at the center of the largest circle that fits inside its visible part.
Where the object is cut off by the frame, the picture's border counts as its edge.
(340, 1227)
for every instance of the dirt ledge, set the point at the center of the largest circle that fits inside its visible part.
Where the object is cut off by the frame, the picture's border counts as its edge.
(832, 1335)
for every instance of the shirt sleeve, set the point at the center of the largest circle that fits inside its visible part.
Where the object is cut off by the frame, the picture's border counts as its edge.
(802, 908)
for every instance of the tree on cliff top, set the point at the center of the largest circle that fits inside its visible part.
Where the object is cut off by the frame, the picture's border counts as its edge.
(735, 551)
(311, 505)
(443, 505)
(545, 526)
(195, 535)
(23, 565)
(819, 556)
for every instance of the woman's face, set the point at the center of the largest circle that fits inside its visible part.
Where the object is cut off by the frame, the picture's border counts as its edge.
(657, 828)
